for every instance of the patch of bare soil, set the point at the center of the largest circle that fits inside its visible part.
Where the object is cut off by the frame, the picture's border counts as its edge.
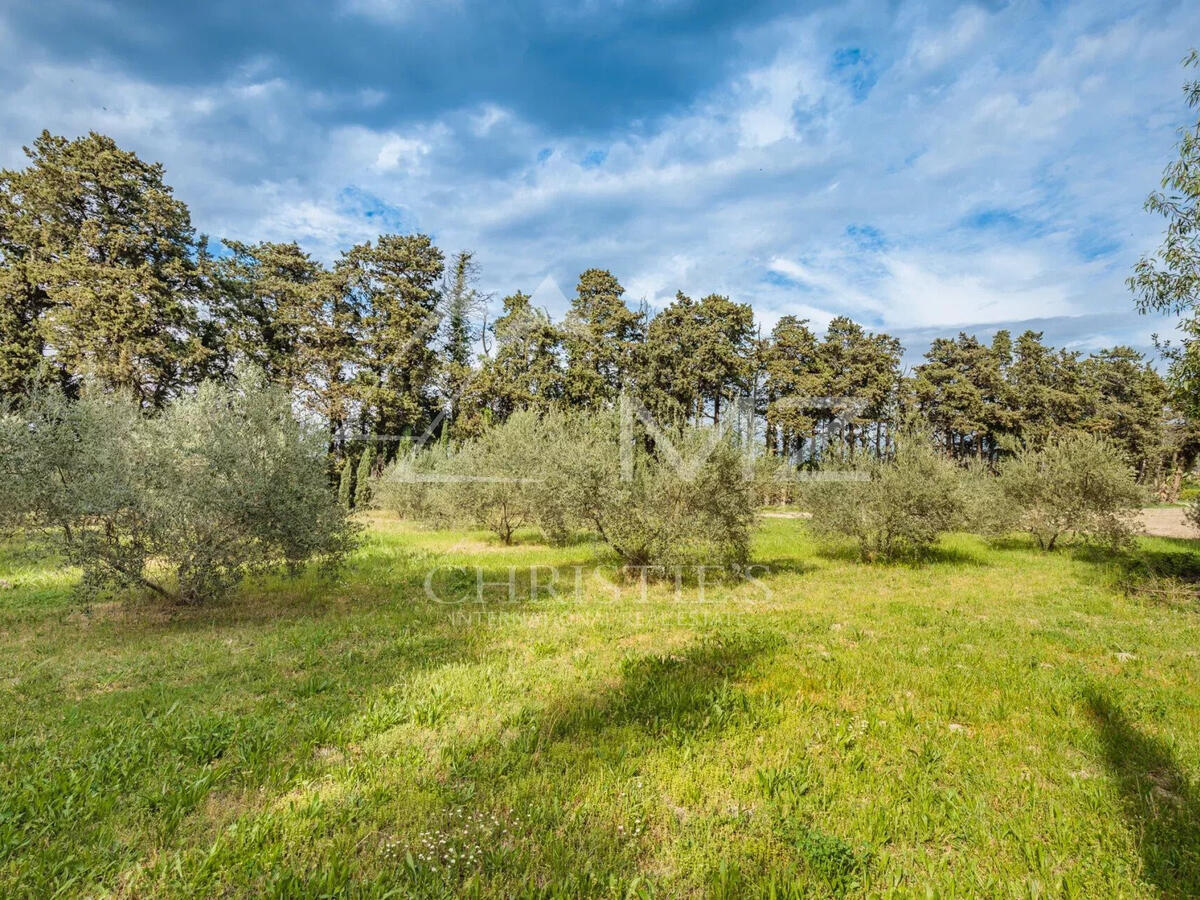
(1168, 522)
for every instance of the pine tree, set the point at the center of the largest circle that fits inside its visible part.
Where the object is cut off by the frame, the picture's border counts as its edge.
(951, 387)
(603, 338)
(671, 387)
(724, 357)
(861, 378)
(327, 338)
(794, 378)
(877, 362)
(1125, 399)
(1000, 413)
(696, 356)
(1045, 384)
(269, 293)
(392, 288)
(98, 271)
(526, 371)
(22, 304)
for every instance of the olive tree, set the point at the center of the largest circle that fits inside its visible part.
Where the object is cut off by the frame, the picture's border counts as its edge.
(676, 498)
(891, 508)
(988, 511)
(498, 480)
(222, 483)
(411, 486)
(1077, 486)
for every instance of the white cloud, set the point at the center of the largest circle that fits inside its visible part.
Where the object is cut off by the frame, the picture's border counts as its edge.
(830, 284)
(395, 12)
(770, 103)
(1000, 286)
(487, 117)
(1064, 124)
(932, 47)
(398, 151)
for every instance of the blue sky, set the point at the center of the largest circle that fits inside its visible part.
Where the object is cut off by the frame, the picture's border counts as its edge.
(922, 167)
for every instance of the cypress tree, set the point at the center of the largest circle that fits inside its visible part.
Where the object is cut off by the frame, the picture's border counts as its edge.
(362, 486)
(346, 486)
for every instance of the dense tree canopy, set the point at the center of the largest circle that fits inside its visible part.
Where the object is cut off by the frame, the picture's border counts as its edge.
(602, 338)
(98, 271)
(1169, 281)
(103, 278)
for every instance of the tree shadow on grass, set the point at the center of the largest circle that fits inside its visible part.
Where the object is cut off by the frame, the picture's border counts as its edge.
(433, 586)
(1161, 807)
(672, 695)
(930, 556)
(1169, 576)
(1017, 540)
(1180, 560)
(767, 567)
(661, 699)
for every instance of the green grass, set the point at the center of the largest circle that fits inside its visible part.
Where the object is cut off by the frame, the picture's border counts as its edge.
(997, 722)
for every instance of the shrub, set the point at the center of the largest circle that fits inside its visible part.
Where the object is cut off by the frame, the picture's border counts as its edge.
(222, 483)
(690, 499)
(987, 510)
(687, 497)
(891, 508)
(1076, 486)
(775, 481)
(498, 480)
(410, 486)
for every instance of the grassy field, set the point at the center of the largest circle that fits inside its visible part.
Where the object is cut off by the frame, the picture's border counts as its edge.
(997, 722)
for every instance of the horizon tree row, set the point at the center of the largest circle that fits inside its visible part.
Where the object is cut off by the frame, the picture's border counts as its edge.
(103, 276)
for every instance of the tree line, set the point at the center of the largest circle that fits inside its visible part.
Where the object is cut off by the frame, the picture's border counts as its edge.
(104, 278)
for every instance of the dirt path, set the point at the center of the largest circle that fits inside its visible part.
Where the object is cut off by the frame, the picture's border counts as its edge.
(1169, 522)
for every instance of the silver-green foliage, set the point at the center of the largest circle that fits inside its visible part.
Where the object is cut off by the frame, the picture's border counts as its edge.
(988, 511)
(1077, 486)
(659, 500)
(685, 498)
(774, 478)
(410, 485)
(496, 481)
(222, 483)
(892, 508)
(500, 479)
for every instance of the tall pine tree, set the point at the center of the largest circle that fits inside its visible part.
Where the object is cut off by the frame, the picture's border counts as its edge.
(98, 271)
(391, 285)
(603, 339)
